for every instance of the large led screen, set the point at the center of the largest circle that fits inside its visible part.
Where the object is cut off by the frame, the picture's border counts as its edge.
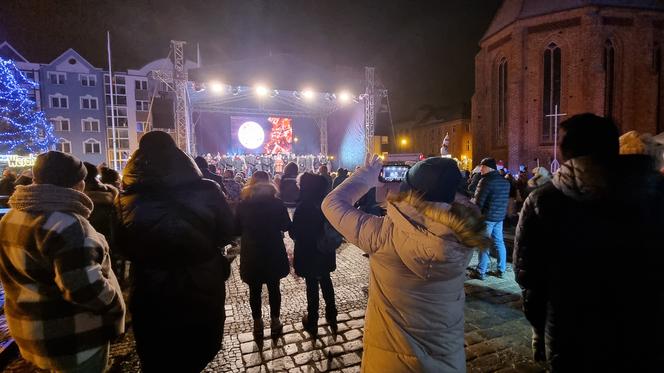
(262, 135)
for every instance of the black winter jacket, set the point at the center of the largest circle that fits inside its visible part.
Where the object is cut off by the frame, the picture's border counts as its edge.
(261, 220)
(492, 196)
(172, 226)
(306, 230)
(579, 256)
(103, 217)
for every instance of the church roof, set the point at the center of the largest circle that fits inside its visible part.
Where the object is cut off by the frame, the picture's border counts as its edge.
(514, 10)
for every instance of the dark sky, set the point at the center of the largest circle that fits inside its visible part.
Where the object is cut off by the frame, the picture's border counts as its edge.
(423, 50)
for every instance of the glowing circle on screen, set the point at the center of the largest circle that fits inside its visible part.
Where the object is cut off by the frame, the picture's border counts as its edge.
(251, 135)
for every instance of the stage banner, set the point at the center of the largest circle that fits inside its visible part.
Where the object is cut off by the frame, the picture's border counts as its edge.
(261, 135)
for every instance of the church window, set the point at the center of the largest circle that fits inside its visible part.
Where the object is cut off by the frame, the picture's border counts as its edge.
(657, 69)
(609, 78)
(552, 91)
(502, 102)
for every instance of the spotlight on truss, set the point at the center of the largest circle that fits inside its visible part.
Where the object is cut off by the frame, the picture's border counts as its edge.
(262, 90)
(274, 93)
(297, 95)
(330, 96)
(216, 87)
(308, 94)
(344, 97)
(235, 91)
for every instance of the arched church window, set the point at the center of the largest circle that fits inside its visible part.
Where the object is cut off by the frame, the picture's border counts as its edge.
(609, 78)
(657, 69)
(502, 102)
(551, 95)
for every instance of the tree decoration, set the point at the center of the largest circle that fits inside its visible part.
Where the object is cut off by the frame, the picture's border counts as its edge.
(23, 129)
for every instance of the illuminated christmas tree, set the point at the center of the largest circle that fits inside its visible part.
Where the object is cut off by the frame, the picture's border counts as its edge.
(23, 129)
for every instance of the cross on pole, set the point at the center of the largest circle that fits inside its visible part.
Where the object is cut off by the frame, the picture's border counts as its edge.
(555, 165)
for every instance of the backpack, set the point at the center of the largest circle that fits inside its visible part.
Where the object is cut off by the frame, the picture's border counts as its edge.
(329, 240)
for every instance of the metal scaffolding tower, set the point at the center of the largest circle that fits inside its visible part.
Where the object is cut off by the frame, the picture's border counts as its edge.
(369, 109)
(182, 130)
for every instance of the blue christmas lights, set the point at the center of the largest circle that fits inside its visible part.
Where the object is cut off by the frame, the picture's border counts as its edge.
(23, 129)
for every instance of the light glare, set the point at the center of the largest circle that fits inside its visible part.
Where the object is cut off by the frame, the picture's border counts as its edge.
(216, 87)
(262, 90)
(344, 96)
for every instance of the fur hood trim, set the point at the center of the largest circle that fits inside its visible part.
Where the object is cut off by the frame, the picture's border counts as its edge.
(462, 219)
(259, 190)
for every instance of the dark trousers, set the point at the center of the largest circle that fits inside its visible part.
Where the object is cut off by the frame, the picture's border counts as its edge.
(312, 298)
(255, 293)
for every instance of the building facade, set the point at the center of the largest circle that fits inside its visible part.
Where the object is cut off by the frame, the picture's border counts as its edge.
(540, 57)
(76, 98)
(72, 97)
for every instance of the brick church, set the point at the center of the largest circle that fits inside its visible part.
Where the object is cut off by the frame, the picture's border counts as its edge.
(580, 56)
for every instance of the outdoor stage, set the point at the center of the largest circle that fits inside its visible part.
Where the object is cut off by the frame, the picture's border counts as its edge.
(273, 105)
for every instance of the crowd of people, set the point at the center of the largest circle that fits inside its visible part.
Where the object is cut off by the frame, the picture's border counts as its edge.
(70, 231)
(273, 164)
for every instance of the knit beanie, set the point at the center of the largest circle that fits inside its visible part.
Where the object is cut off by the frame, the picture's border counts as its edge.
(435, 178)
(59, 169)
(489, 162)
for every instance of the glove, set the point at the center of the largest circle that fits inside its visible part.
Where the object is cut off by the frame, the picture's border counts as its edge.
(369, 173)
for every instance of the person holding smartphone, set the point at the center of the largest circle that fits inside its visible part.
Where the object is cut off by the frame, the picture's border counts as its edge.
(418, 253)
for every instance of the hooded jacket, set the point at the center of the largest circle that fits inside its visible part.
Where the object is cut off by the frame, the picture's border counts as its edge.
(173, 224)
(261, 219)
(288, 190)
(418, 254)
(103, 217)
(579, 249)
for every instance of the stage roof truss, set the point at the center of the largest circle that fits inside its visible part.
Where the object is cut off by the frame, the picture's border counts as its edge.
(245, 102)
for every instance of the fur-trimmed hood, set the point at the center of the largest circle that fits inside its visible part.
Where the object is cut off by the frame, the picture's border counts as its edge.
(437, 233)
(258, 190)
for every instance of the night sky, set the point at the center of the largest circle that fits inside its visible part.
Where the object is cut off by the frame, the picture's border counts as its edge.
(423, 50)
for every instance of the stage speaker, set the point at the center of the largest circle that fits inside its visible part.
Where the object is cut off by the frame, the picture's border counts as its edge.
(162, 113)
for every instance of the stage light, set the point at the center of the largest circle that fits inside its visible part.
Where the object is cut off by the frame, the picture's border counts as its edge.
(262, 90)
(235, 91)
(344, 97)
(274, 93)
(308, 94)
(330, 96)
(216, 87)
(404, 142)
(295, 139)
(297, 95)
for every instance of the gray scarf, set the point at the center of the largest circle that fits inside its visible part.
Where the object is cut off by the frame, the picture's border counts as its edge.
(49, 198)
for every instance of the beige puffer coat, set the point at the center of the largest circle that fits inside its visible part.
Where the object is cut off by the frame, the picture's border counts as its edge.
(418, 254)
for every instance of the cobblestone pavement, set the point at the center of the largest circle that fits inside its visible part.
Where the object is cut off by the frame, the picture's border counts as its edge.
(497, 335)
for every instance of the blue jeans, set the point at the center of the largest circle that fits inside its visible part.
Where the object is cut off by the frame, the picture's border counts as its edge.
(494, 229)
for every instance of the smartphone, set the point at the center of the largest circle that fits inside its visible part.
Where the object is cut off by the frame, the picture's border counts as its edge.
(393, 173)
